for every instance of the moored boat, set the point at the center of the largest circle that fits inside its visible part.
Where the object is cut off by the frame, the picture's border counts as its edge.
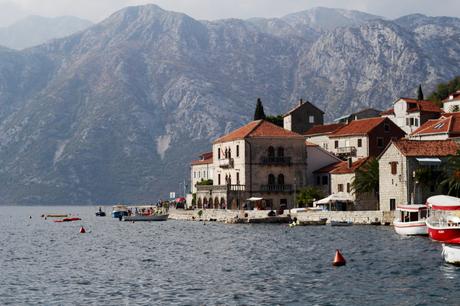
(411, 220)
(321, 221)
(100, 213)
(146, 213)
(162, 217)
(341, 223)
(444, 220)
(451, 253)
(119, 211)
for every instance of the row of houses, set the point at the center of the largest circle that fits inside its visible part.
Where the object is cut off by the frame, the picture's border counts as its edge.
(263, 160)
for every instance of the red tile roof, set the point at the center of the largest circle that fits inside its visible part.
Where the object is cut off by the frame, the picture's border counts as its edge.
(422, 106)
(455, 97)
(428, 148)
(205, 158)
(323, 129)
(258, 129)
(389, 111)
(447, 123)
(359, 127)
(342, 167)
(311, 144)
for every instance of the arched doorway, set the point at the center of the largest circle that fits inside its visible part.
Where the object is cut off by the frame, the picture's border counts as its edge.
(205, 203)
(234, 204)
(216, 203)
(222, 203)
(200, 204)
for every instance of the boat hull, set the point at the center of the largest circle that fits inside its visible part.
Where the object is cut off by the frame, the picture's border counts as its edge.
(312, 222)
(146, 218)
(411, 228)
(451, 254)
(341, 223)
(118, 214)
(445, 234)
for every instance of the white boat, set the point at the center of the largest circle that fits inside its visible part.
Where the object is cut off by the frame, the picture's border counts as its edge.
(146, 213)
(411, 220)
(146, 218)
(341, 223)
(451, 253)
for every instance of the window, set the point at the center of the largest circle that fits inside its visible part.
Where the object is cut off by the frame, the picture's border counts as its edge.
(325, 145)
(199, 174)
(218, 153)
(340, 187)
(348, 187)
(411, 121)
(271, 152)
(280, 179)
(280, 152)
(416, 121)
(360, 143)
(325, 180)
(392, 204)
(218, 179)
(336, 144)
(394, 168)
(386, 127)
(271, 179)
(311, 119)
(380, 142)
(318, 180)
(237, 150)
(237, 178)
(194, 174)
(439, 125)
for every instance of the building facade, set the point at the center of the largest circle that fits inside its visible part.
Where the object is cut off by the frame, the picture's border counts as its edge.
(445, 127)
(303, 117)
(201, 170)
(362, 114)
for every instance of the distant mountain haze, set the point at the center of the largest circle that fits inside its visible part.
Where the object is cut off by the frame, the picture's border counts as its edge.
(116, 112)
(35, 30)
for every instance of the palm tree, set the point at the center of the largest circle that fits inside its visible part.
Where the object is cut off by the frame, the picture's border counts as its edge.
(452, 171)
(367, 178)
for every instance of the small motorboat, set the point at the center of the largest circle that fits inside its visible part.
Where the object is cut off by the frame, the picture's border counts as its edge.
(411, 220)
(444, 220)
(321, 221)
(341, 223)
(100, 213)
(119, 211)
(451, 254)
(146, 218)
(146, 213)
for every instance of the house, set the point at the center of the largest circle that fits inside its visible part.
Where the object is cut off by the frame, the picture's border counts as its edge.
(201, 170)
(362, 114)
(318, 158)
(445, 127)
(302, 117)
(409, 114)
(341, 175)
(319, 134)
(402, 166)
(259, 159)
(363, 138)
(452, 103)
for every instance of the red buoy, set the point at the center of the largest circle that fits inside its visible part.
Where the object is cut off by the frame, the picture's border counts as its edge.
(339, 260)
(82, 230)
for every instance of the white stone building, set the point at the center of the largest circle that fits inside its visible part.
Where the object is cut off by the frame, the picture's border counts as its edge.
(452, 103)
(319, 134)
(398, 172)
(445, 127)
(201, 170)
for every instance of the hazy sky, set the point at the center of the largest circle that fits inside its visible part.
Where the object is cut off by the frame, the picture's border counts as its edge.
(96, 10)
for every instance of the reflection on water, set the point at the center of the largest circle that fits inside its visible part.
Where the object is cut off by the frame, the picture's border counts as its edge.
(193, 263)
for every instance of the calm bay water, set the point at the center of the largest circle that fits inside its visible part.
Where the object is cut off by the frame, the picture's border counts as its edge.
(189, 263)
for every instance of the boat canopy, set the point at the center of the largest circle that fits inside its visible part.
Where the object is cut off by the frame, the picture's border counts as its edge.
(411, 207)
(254, 199)
(443, 202)
(428, 161)
(335, 197)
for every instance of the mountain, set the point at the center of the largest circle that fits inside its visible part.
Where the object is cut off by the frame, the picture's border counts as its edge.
(116, 112)
(35, 30)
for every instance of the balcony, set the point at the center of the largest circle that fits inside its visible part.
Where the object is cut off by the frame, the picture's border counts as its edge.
(226, 163)
(276, 188)
(277, 161)
(348, 151)
(220, 188)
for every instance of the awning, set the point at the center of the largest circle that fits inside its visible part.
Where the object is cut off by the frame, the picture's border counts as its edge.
(254, 199)
(180, 200)
(428, 161)
(336, 197)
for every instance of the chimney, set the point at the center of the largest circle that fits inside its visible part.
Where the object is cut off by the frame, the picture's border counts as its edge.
(301, 101)
(349, 162)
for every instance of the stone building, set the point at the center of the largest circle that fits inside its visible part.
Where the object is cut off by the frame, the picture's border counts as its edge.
(302, 117)
(319, 134)
(445, 127)
(362, 114)
(363, 138)
(399, 165)
(318, 158)
(259, 159)
(409, 114)
(340, 175)
(201, 170)
(452, 103)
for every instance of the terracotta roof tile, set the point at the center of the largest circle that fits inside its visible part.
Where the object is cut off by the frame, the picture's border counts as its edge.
(323, 129)
(256, 129)
(205, 158)
(447, 123)
(422, 106)
(342, 167)
(311, 144)
(359, 127)
(389, 111)
(428, 148)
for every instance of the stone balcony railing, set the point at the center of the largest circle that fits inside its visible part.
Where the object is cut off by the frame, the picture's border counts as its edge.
(347, 151)
(220, 188)
(226, 163)
(278, 160)
(276, 188)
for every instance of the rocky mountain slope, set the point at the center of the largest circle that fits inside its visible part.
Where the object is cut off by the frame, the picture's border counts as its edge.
(35, 30)
(116, 112)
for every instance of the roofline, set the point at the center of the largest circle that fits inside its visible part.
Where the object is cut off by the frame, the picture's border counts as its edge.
(239, 138)
(329, 153)
(296, 107)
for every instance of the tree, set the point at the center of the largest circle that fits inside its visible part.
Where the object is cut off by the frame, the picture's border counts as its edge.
(444, 89)
(452, 173)
(278, 120)
(419, 93)
(308, 195)
(367, 177)
(259, 113)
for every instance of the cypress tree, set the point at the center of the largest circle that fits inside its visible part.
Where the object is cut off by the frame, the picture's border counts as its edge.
(420, 93)
(259, 113)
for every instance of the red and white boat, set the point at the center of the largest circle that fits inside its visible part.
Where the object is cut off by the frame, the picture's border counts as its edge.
(444, 220)
(411, 220)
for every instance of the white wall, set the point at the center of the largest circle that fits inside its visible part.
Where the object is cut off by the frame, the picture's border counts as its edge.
(318, 158)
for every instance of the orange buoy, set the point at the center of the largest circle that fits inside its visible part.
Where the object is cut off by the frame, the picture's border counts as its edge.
(339, 260)
(82, 230)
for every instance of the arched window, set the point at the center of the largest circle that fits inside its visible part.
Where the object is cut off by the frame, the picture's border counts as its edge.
(280, 179)
(271, 152)
(280, 152)
(271, 179)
